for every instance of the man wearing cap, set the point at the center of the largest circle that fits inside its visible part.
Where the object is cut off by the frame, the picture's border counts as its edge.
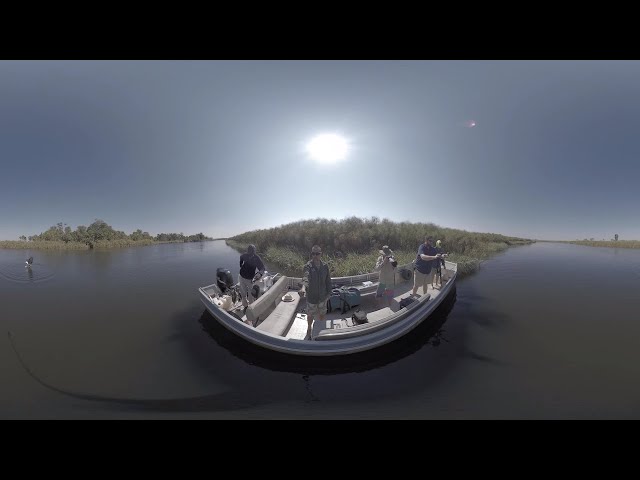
(427, 255)
(249, 263)
(316, 285)
(386, 265)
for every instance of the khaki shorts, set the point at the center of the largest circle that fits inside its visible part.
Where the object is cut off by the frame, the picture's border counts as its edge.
(317, 308)
(422, 280)
(246, 285)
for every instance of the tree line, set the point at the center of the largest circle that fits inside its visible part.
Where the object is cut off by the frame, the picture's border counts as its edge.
(101, 231)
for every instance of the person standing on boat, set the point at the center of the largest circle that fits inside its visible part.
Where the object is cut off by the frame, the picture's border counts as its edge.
(427, 255)
(439, 264)
(316, 285)
(386, 265)
(249, 263)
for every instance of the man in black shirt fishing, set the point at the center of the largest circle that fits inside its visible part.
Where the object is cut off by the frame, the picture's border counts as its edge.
(249, 263)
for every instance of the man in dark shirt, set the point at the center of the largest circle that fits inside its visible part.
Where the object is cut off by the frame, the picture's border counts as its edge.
(249, 263)
(425, 262)
(316, 285)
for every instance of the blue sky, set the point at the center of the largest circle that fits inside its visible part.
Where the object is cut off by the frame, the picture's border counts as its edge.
(219, 146)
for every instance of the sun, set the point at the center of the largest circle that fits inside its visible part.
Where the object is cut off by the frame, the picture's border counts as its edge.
(328, 148)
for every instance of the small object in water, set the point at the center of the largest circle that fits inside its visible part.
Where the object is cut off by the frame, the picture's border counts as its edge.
(29, 262)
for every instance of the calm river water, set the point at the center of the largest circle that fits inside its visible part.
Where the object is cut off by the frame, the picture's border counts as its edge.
(541, 331)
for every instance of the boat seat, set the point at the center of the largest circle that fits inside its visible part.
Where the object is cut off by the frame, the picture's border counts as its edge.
(279, 320)
(379, 314)
(370, 327)
(268, 299)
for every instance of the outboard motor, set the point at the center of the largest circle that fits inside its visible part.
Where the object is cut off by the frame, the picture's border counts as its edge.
(224, 279)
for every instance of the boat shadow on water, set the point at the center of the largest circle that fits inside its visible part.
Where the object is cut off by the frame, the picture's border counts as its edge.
(429, 333)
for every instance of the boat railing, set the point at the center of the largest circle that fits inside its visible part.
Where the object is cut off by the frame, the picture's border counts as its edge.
(294, 282)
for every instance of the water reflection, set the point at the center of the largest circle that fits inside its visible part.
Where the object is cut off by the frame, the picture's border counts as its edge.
(438, 337)
(307, 386)
(429, 332)
(636, 269)
(229, 400)
(130, 337)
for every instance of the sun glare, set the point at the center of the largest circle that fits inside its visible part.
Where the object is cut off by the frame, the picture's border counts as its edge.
(328, 148)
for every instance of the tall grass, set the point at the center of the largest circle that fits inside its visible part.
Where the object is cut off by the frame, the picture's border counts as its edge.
(351, 246)
(124, 242)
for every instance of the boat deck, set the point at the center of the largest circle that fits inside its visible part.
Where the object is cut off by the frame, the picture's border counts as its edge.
(336, 319)
(375, 311)
(289, 319)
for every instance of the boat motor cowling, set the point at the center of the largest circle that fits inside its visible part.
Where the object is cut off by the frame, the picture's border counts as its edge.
(224, 279)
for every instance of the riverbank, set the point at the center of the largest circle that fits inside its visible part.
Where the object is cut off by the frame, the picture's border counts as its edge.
(290, 262)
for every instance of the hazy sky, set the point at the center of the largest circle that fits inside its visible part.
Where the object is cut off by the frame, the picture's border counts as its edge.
(219, 146)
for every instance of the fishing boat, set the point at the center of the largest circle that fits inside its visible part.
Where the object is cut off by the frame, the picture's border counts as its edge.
(277, 318)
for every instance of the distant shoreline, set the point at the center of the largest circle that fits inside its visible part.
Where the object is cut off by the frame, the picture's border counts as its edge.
(59, 245)
(97, 235)
(600, 243)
